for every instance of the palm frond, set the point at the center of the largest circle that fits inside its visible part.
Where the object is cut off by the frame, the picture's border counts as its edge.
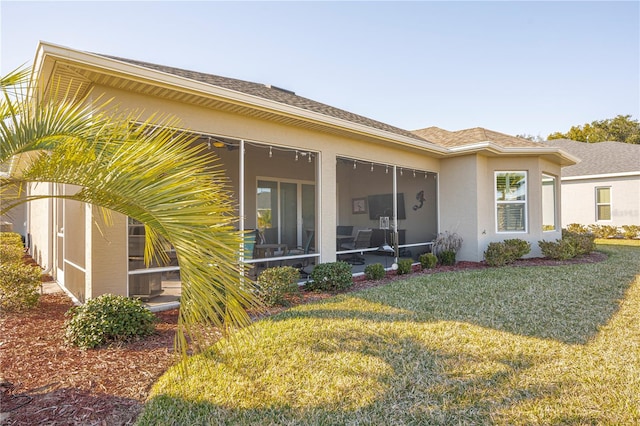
(151, 172)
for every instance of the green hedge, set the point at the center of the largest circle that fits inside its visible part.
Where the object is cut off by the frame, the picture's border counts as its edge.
(19, 283)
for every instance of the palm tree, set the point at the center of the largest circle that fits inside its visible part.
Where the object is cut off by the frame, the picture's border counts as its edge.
(145, 169)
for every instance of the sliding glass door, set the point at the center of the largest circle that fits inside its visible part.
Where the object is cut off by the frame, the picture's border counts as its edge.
(285, 211)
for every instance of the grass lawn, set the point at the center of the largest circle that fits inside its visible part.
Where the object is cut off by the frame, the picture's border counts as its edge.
(513, 345)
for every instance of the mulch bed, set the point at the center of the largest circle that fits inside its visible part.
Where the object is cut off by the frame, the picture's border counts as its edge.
(46, 382)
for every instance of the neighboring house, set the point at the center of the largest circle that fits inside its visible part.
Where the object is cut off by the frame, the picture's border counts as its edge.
(604, 187)
(308, 168)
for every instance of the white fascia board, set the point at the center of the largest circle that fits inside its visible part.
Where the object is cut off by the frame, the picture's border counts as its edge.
(602, 176)
(174, 81)
(565, 158)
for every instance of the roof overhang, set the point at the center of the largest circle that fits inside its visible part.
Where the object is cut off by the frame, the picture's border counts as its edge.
(603, 176)
(56, 64)
(61, 63)
(491, 149)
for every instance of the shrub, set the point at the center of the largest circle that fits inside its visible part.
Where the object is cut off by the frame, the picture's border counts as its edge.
(577, 228)
(506, 252)
(19, 286)
(331, 276)
(108, 318)
(559, 249)
(496, 254)
(582, 243)
(275, 283)
(375, 271)
(517, 247)
(405, 266)
(11, 238)
(603, 231)
(447, 241)
(630, 231)
(447, 258)
(10, 253)
(428, 260)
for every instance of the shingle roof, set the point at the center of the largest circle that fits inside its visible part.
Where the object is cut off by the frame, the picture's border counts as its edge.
(599, 158)
(271, 93)
(449, 139)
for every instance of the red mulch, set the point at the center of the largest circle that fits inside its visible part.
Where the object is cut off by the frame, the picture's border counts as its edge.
(46, 382)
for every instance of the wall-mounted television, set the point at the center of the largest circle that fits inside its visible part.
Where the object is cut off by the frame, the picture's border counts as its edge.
(382, 205)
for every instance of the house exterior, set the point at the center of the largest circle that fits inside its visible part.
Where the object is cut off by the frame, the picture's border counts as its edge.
(304, 174)
(604, 187)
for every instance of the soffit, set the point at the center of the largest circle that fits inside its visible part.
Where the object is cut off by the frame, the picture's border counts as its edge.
(80, 75)
(66, 83)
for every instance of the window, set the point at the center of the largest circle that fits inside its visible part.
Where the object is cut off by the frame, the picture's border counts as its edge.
(548, 203)
(603, 203)
(511, 201)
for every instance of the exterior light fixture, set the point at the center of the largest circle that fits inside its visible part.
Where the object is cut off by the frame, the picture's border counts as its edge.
(270, 152)
(354, 165)
(371, 166)
(297, 156)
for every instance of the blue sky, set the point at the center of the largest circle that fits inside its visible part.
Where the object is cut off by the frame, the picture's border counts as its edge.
(514, 67)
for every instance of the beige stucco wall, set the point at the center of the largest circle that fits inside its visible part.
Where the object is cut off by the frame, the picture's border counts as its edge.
(467, 198)
(579, 201)
(459, 190)
(40, 217)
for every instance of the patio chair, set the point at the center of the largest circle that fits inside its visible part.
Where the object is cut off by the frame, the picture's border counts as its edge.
(304, 250)
(362, 240)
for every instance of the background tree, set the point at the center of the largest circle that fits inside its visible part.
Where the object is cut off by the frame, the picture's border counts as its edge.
(144, 169)
(621, 129)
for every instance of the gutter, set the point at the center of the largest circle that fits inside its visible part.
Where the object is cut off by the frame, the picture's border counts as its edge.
(566, 159)
(602, 176)
(174, 82)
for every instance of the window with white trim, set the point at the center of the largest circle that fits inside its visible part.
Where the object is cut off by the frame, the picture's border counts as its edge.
(549, 211)
(511, 201)
(603, 203)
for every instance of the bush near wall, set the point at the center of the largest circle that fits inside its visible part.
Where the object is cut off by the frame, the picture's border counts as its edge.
(630, 231)
(19, 286)
(331, 276)
(375, 272)
(108, 318)
(606, 231)
(506, 252)
(405, 266)
(19, 283)
(275, 283)
(571, 245)
(428, 260)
